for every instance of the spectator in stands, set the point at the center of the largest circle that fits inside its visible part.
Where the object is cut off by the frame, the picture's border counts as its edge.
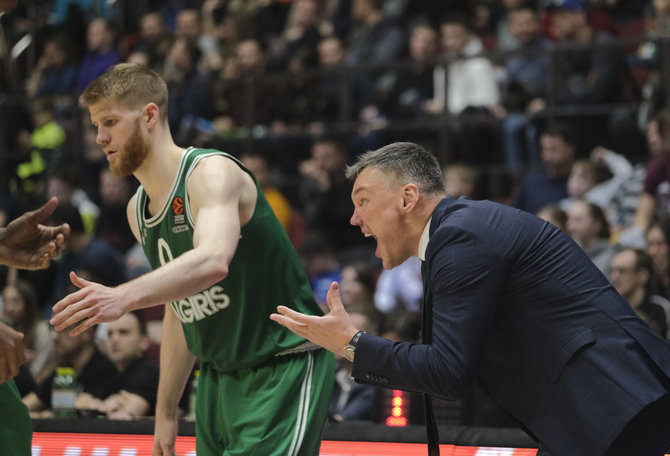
(524, 83)
(250, 62)
(62, 183)
(112, 227)
(188, 25)
(632, 273)
(358, 282)
(226, 27)
(471, 79)
(658, 247)
(505, 39)
(326, 99)
(471, 89)
(325, 193)
(259, 165)
(406, 90)
(39, 150)
(460, 180)
(55, 72)
(188, 89)
(92, 371)
(85, 251)
(24, 314)
(132, 392)
(548, 185)
(648, 59)
(588, 226)
(101, 52)
(61, 10)
(590, 69)
(586, 179)
(553, 214)
(155, 40)
(351, 400)
(321, 265)
(295, 50)
(374, 40)
(400, 288)
(655, 199)
(630, 204)
(657, 27)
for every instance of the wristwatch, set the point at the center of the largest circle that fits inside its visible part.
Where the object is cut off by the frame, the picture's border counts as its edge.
(350, 348)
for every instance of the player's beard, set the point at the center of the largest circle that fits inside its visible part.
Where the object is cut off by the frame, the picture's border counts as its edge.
(134, 152)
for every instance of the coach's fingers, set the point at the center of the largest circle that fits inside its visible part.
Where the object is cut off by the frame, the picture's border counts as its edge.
(294, 315)
(333, 298)
(286, 318)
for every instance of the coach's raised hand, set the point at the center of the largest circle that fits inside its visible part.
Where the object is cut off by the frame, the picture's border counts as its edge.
(91, 304)
(332, 331)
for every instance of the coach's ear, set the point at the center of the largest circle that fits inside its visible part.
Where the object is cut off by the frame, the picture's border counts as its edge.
(410, 196)
(151, 115)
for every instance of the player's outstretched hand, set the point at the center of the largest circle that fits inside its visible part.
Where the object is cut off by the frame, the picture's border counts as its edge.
(11, 352)
(26, 243)
(332, 331)
(91, 304)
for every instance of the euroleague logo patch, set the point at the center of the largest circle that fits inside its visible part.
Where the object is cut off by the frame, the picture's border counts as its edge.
(179, 217)
(178, 205)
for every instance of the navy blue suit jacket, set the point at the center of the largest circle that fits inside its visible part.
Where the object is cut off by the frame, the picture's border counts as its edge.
(519, 307)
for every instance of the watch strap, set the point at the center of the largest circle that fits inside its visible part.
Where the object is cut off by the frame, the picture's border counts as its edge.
(354, 340)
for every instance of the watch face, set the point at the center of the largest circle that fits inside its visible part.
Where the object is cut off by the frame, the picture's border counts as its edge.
(349, 352)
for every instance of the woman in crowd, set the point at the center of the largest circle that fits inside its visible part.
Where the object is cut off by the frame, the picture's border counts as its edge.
(23, 313)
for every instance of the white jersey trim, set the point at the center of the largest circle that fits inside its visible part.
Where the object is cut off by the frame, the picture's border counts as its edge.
(158, 218)
(303, 408)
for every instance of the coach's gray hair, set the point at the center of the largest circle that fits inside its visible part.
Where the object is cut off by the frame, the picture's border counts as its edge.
(403, 163)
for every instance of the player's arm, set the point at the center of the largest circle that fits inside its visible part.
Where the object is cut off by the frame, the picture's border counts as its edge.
(220, 193)
(176, 363)
(11, 352)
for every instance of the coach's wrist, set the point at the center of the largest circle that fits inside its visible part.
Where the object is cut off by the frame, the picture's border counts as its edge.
(350, 348)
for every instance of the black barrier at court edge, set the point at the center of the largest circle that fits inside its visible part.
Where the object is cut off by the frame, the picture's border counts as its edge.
(361, 431)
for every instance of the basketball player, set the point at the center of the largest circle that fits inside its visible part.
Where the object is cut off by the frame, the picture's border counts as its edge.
(223, 261)
(24, 243)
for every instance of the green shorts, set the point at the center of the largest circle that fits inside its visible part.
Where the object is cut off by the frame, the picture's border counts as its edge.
(16, 429)
(278, 408)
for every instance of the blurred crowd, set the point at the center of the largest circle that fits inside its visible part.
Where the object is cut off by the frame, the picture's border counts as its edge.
(556, 107)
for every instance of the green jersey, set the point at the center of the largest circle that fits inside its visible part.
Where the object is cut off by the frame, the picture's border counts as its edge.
(229, 323)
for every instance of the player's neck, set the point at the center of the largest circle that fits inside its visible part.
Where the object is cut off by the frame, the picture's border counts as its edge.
(158, 171)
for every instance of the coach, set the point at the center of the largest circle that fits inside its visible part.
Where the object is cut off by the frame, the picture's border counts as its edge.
(516, 306)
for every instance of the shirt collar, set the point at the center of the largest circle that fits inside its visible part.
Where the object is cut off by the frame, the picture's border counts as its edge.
(423, 242)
